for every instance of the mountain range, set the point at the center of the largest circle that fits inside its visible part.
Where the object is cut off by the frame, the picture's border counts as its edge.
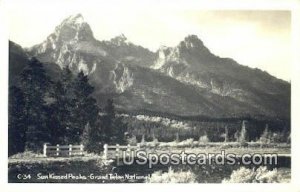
(187, 79)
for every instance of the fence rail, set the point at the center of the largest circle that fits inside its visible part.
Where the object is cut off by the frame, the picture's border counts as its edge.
(117, 148)
(63, 150)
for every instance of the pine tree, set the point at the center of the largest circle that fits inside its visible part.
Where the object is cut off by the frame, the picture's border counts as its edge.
(265, 137)
(67, 79)
(16, 121)
(85, 106)
(119, 128)
(62, 107)
(143, 140)
(87, 138)
(177, 138)
(113, 127)
(243, 135)
(110, 109)
(35, 83)
(107, 120)
(226, 139)
(59, 114)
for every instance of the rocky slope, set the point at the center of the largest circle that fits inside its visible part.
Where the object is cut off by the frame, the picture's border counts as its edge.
(185, 80)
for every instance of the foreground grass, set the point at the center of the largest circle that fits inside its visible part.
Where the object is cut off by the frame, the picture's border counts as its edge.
(242, 175)
(188, 146)
(172, 177)
(30, 157)
(34, 164)
(259, 175)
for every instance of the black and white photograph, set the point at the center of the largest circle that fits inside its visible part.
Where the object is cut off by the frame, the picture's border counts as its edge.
(126, 92)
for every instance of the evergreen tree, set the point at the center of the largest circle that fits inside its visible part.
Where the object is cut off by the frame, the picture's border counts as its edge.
(265, 137)
(243, 134)
(110, 109)
(113, 127)
(16, 121)
(35, 83)
(59, 115)
(67, 79)
(177, 138)
(85, 108)
(119, 128)
(226, 136)
(61, 108)
(107, 120)
(88, 139)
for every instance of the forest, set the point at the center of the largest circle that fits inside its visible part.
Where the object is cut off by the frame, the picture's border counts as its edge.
(64, 111)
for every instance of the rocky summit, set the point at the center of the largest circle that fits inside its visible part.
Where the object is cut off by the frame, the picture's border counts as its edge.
(187, 79)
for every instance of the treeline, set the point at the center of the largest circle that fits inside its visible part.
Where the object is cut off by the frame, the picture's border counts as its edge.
(58, 112)
(215, 131)
(203, 118)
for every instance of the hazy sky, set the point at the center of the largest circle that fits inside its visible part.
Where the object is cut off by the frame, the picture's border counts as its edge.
(255, 38)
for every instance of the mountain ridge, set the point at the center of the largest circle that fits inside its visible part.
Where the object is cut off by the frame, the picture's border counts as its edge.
(187, 79)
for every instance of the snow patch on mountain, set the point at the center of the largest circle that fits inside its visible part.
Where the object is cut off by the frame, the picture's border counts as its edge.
(121, 78)
(167, 54)
(82, 66)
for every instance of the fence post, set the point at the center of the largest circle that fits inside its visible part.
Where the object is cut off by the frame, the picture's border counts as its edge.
(138, 146)
(45, 150)
(117, 151)
(128, 149)
(70, 150)
(81, 149)
(105, 151)
(57, 150)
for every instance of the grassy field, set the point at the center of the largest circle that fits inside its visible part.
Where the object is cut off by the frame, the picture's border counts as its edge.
(35, 165)
(169, 147)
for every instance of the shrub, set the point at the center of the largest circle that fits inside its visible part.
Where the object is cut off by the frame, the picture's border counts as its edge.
(280, 137)
(186, 143)
(226, 146)
(153, 143)
(289, 139)
(265, 137)
(132, 140)
(26, 155)
(260, 175)
(203, 139)
(143, 139)
(172, 177)
(143, 142)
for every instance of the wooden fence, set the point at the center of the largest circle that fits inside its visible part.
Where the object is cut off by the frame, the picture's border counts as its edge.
(117, 149)
(63, 150)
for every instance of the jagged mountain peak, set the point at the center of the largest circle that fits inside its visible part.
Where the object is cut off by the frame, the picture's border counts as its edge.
(188, 77)
(71, 44)
(74, 27)
(75, 19)
(193, 42)
(120, 40)
(193, 38)
(163, 47)
(189, 47)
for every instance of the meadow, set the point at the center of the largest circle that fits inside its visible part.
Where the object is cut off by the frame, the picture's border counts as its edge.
(107, 171)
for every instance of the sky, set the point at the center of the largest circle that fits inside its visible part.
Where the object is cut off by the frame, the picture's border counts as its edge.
(256, 38)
